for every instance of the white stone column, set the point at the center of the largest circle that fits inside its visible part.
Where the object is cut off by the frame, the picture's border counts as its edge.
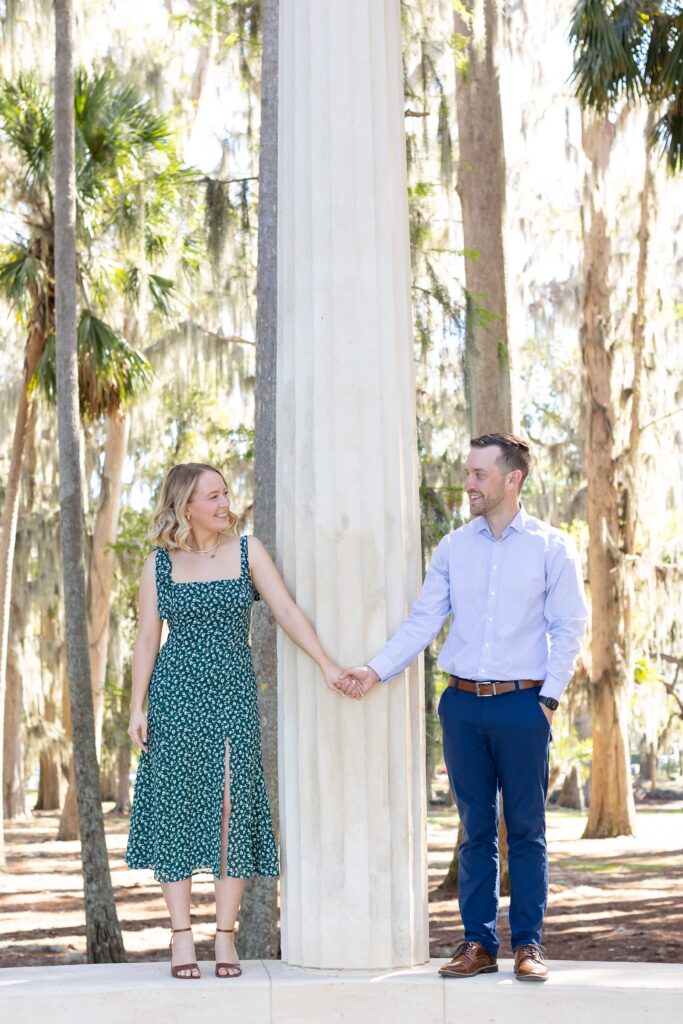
(352, 793)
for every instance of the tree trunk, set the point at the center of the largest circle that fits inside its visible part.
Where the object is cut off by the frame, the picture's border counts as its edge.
(123, 780)
(103, 934)
(450, 882)
(34, 349)
(652, 762)
(612, 810)
(644, 771)
(68, 830)
(101, 572)
(481, 189)
(100, 579)
(14, 795)
(571, 794)
(51, 779)
(258, 935)
(639, 320)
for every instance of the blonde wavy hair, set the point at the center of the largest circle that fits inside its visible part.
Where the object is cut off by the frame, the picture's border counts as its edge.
(170, 526)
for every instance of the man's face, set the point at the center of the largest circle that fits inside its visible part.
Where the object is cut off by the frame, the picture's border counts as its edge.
(484, 480)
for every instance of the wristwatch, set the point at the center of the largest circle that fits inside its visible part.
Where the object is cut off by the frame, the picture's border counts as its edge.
(549, 702)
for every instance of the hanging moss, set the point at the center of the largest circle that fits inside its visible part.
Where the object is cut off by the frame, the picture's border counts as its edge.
(217, 218)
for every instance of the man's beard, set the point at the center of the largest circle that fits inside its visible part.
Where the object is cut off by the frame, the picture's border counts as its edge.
(487, 503)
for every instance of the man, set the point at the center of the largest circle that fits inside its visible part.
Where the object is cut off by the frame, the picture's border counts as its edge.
(513, 587)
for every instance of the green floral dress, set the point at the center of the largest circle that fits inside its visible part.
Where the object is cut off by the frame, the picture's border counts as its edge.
(202, 693)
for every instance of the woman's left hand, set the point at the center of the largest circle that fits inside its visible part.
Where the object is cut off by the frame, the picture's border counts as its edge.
(331, 673)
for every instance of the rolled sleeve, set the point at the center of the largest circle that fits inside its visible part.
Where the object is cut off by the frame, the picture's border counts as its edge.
(566, 615)
(427, 616)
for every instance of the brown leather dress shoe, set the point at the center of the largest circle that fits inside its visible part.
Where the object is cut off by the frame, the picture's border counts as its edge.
(469, 958)
(530, 964)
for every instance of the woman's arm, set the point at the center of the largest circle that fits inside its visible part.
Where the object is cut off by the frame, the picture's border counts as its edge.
(144, 652)
(287, 614)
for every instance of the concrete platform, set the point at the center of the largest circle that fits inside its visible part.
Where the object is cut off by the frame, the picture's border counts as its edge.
(272, 993)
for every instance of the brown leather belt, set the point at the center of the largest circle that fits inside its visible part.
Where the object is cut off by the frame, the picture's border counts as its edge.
(493, 687)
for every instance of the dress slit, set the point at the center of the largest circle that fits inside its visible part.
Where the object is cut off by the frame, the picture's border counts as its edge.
(225, 827)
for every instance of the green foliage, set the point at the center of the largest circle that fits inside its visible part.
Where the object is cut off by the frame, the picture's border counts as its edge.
(21, 275)
(631, 50)
(26, 126)
(460, 44)
(131, 191)
(232, 22)
(645, 674)
(111, 373)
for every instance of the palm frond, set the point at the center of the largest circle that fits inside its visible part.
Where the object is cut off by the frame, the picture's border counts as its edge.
(631, 49)
(190, 259)
(604, 65)
(666, 137)
(161, 290)
(27, 125)
(111, 373)
(671, 74)
(21, 275)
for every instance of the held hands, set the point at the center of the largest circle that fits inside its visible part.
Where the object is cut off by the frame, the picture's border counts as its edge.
(137, 729)
(332, 673)
(356, 682)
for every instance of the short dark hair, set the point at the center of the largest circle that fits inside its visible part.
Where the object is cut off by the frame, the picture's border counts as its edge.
(515, 453)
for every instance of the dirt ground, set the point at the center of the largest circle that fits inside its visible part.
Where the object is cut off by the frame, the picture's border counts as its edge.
(614, 899)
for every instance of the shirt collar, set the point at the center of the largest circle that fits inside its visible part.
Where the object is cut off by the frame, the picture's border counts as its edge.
(518, 523)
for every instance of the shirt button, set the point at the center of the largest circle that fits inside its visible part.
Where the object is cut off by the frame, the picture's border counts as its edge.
(487, 645)
(493, 593)
(490, 618)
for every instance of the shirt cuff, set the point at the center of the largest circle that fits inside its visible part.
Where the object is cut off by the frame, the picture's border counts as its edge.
(552, 687)
(381, 666)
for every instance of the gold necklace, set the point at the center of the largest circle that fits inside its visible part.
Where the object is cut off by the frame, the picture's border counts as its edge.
(211, 552)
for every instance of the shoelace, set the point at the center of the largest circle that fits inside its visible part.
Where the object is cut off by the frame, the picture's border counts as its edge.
(464, 947)
(535, 952)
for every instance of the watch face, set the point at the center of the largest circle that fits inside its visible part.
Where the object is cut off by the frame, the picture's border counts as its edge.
(550, 702)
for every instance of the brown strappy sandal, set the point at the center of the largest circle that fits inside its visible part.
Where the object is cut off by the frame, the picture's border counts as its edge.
(233, 967)
(183, 967)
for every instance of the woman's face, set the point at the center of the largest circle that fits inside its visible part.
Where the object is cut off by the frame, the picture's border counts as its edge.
(209, 503)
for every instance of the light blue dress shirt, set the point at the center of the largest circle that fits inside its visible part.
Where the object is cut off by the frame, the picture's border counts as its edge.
(517, 606)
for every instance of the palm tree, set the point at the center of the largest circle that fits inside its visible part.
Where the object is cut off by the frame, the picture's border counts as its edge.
(629, 51)
(127, 178)
(623, 53)
(102, 927)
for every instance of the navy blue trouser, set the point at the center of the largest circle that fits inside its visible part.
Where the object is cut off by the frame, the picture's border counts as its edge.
(493, 743)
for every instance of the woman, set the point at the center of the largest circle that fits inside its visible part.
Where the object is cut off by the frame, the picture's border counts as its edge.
(200, 800)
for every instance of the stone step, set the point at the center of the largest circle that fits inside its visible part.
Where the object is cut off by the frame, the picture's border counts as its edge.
(270, 992)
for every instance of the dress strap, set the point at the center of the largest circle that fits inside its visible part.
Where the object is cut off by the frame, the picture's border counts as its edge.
(244, 556)
(163, 569)
(244, 562)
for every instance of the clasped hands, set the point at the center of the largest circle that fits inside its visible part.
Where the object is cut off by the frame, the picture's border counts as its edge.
(356, 682)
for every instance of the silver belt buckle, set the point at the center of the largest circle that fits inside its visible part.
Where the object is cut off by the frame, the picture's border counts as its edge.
(485, 682)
